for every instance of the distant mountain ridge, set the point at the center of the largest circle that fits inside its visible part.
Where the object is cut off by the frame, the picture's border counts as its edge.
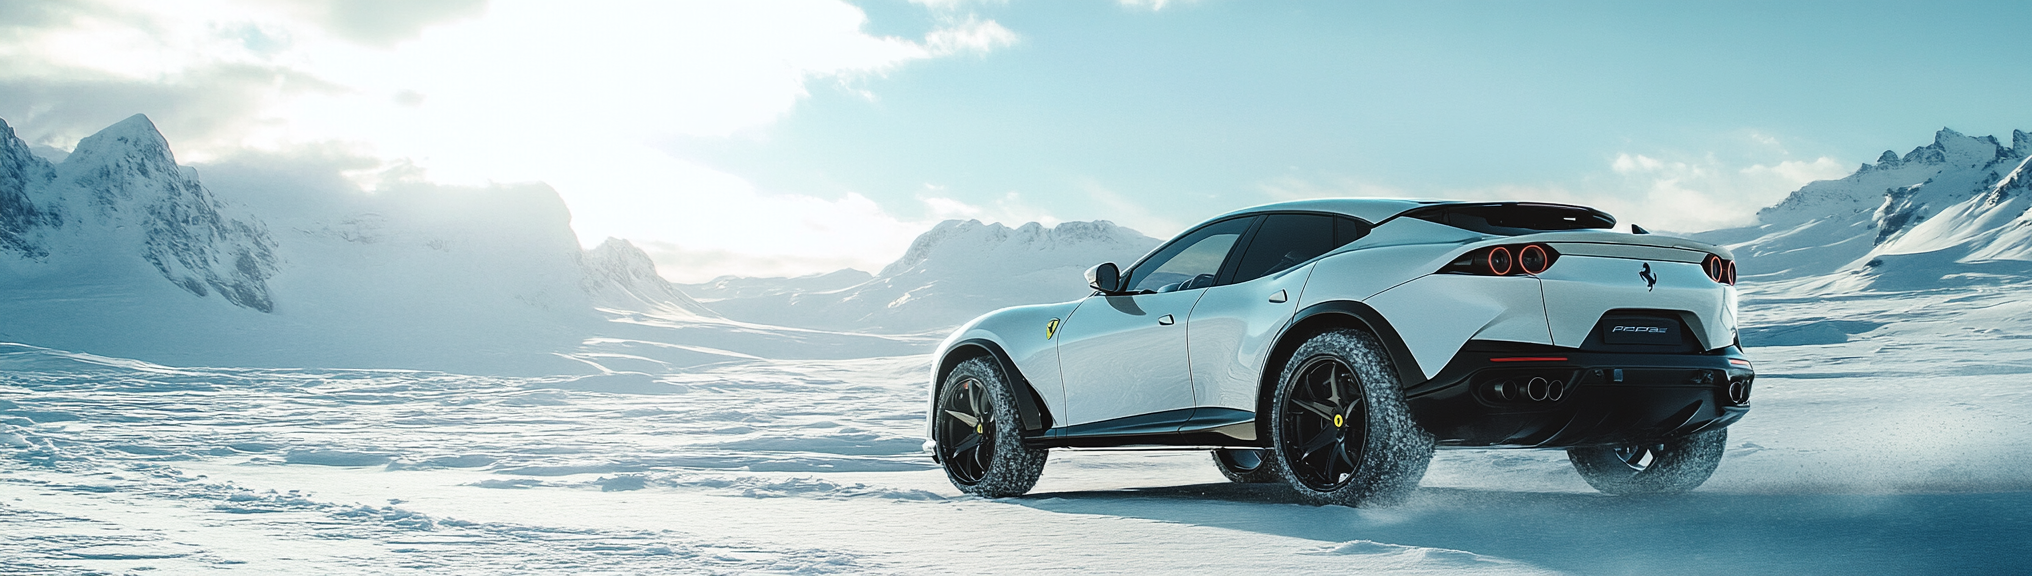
(117, 250)
(1955, 201)
(952, 273)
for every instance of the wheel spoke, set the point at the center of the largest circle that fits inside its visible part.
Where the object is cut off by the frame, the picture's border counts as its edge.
(972, 441)
(1331, 459)
(1333, 385)
(967, 419)
(1323, 411)
(981, 457)
(1312, 446)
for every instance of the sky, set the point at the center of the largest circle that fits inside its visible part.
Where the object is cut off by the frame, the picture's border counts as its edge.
(787, 137)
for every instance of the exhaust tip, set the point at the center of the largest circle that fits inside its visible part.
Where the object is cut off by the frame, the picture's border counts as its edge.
(1739, 392)
(1537, 389)
(1504, 390)
(1556, 391)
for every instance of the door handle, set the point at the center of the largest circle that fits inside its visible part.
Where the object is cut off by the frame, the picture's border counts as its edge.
(1277, 298)
(1165, 321)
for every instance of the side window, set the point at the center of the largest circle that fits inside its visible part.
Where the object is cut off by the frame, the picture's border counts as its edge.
(1283, 241)
(1348, 230)
(1190, 262)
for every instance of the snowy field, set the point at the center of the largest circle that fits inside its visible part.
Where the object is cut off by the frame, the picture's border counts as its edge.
(1888, 437)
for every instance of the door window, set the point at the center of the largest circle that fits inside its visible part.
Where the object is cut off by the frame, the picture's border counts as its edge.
(1190, 262)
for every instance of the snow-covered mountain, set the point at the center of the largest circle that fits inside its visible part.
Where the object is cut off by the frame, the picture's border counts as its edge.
(620, 276)
(955, 271)
(117, 250)
(1947, 209)
(118, 196)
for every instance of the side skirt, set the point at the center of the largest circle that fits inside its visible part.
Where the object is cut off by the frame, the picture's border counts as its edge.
(1186, 428)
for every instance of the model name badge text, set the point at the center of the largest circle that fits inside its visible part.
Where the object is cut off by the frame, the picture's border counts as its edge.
(1640, 329)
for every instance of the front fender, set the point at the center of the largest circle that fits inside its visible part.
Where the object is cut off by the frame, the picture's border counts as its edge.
(1022, 341)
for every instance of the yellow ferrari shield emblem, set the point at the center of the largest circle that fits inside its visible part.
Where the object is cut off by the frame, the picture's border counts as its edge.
(1050, 328)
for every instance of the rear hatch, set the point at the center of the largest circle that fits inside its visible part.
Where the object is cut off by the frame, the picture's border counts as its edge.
(1612, 291)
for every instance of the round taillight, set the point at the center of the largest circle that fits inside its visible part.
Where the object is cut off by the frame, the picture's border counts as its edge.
(1729, 272)
(1532, 259)
(1499, 260)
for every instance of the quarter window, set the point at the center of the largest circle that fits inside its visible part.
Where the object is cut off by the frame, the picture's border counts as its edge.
(1284, 241)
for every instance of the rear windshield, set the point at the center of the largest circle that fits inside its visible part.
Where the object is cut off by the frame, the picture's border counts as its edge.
(1515, 218)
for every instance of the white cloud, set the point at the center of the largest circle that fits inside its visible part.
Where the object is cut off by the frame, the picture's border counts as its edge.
(951, 5)
(1151, 5)
(1796, 173)
(1704, 193)
(573, 94)
(975, 36)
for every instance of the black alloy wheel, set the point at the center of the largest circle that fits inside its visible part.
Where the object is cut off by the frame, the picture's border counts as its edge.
(1340, 432)
(966, 430)
(1325, 424)
(977, 435)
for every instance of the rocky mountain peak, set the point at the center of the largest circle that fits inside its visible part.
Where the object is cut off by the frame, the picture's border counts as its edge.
(21, 217)
(1951, 147)
(618, 274)
(124, 190)
(2014, 185)
(122, 161)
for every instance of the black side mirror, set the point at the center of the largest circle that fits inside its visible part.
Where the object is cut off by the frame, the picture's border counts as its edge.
(1105, 277)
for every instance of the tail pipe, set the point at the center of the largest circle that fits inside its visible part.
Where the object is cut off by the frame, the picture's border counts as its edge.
(1534, 389)
(1738, 390)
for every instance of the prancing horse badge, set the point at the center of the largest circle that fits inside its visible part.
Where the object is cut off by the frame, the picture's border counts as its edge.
(1650, 280)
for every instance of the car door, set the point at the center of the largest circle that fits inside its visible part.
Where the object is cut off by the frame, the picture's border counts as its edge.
(1124, 357)
(1233, 326)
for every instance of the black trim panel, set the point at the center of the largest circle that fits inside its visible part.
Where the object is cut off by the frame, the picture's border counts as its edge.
(1608, 397)
(1029, 406)
(1181, 427)
(1408, 372)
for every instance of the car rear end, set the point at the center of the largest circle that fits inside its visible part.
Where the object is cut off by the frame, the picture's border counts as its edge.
(1641, 342)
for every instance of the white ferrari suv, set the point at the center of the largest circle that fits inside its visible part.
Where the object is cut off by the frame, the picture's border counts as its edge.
(1334, 344)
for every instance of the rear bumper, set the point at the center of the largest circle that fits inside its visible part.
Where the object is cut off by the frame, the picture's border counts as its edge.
(1585, 398)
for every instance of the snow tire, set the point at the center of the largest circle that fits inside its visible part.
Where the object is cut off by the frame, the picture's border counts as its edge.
(1350, 443)
(979, 436)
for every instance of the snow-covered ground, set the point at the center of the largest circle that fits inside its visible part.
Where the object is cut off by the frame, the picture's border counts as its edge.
(1887, 437)
(1885, 311)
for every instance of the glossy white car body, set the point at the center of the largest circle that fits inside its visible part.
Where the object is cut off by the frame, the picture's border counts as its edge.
(1190, 367)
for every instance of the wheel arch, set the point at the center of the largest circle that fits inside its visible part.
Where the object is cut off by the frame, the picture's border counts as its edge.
(1322, 317)
(1029, 406)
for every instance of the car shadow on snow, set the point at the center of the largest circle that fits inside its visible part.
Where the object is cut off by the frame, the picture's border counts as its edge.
(1696, 533)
